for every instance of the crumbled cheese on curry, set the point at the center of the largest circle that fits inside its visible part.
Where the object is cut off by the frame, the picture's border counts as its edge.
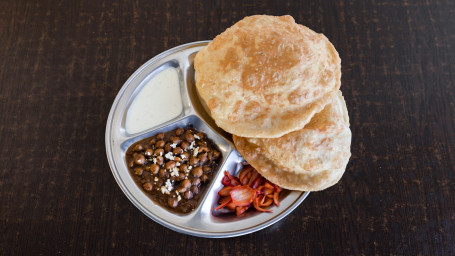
(174, 172)
(196, 151)
(164, 190)
(169, 156)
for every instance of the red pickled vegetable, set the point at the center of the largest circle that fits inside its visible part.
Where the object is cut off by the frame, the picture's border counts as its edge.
(225, 181)
(229, 180)
(266, 202)
(235, 181)
(275, 198)
(243, 195)
(253, 177)
(268, 185)
(231, 206)
(225, 191)
(277, 189)
(257, 207)
(239, 210)
(249, 189)
(256, 182)
(242, 174)
(267, 191)
(223, 202)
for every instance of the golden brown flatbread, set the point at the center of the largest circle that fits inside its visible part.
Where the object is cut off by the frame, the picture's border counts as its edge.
(267, 76)
(310, 159)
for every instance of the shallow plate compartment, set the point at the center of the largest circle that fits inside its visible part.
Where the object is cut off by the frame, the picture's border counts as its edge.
(222, 145)
(203, 221)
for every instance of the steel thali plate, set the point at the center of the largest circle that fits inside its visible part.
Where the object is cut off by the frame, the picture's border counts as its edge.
(203, 221)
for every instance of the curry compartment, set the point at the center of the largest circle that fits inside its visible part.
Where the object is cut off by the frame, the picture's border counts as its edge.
(175, 167)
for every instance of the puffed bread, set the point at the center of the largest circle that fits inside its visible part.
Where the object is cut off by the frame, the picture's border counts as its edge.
(310, 159)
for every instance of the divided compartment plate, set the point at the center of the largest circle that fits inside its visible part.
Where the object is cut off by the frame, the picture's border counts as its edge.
(202, 221)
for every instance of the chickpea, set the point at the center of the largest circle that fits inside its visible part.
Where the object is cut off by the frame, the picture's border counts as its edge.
(194, 190)
(183, 168)
(186, 183)
(204, 178)
(159, 144)
(163, 173)
(173, 202)
(178, 159)
(189, 137)
(207, 169)
(138, 171)
(179, 131)
(160, 160)
(184, 186)
(202, 143)
(177, 150)
(160, 136)
(196, 182)
(184, 145)
(201, 135)
(148, 186)
(216, 154)
(194, 161)
(148, 152)
(181, 189)
(197, 172)
(185, 156)
(152, 142)
(181, 176)
(167, 147)
(138, 148)
(175, 140)
(202, 158)
(154, 168)
(169, 165)
(203, 149)
(159, 152)
(188, 195)
(139, 159)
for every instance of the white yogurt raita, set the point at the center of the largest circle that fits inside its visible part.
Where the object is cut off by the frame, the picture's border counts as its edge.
(157, 102)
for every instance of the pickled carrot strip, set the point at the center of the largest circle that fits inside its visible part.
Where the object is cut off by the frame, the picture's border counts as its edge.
(223, 202)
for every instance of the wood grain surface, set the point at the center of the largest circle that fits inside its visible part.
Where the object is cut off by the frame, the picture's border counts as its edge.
(63, 62)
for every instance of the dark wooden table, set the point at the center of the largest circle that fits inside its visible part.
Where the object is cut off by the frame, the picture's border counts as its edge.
(62, 64)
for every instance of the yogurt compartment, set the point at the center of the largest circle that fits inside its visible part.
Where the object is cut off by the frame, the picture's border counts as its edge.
(157, 102)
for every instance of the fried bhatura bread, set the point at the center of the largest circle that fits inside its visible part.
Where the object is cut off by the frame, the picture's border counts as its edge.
(309, 159)
(267, 76)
